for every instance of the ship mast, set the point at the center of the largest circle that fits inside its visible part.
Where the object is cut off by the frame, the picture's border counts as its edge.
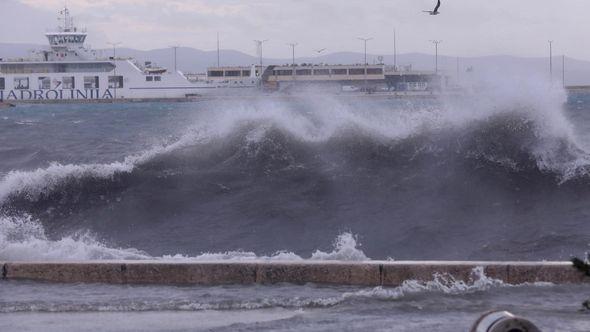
(68, 21)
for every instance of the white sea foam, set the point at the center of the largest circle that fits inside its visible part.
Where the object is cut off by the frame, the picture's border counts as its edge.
(556, 150)
(441, 283)
(24, 239)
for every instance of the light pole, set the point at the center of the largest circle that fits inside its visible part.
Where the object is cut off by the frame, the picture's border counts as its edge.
(365, 40)
(563, 70)
(436, 42)
(175, 47)
(394, 50)
(259, 44)
(293, 45)
(116, 83)
(551, 61)
(218, 62)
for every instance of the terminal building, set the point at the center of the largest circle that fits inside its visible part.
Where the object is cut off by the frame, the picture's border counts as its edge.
(357, 77)
(324, 77)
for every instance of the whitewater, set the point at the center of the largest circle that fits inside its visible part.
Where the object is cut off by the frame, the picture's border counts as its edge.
(499, 173)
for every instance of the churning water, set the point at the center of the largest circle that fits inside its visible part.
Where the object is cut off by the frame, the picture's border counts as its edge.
(502, 174)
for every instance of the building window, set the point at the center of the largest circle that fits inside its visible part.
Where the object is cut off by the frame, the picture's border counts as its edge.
(149, 78)
(339, 72)
(357, 71)
(245, 73)
(115, 82)
(21, 83)
(90, 82)
(374, 71)
(232, 73)
(44, 83)
(69, 82)
(2, 83)
(157, 78)
(303, 72)
(321, 71)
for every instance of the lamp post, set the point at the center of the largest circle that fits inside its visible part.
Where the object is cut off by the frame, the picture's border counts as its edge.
(293, 45)
(218, 62)
(436, 42)
(259, 44)
(175, 47)
(394, 50)
(116, 83)
(551, 61)
(365, 40)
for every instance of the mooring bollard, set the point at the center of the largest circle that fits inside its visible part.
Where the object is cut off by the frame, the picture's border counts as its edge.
(503, 321)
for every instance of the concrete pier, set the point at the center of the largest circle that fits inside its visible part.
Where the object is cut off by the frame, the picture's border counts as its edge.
(370, 273)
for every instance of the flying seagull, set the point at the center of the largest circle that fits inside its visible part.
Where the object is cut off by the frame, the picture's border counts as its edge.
(321, 50)
(435, 11)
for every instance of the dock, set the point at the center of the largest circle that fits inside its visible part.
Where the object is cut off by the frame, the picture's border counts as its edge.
(370, 273)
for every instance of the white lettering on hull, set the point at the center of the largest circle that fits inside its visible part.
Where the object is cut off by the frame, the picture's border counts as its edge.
(86, 94)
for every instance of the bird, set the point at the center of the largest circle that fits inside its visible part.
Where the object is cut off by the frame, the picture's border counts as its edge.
(321, 50)
(435, 11)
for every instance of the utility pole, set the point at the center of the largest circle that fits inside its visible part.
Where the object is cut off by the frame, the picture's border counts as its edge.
(563, 70)
(293, 45)
(175, 48)
(436, 42)
(394, 50)
(551, 61)
(259, 44)
(116, 83)
(218, 62)
(457, 70)
(365, 40)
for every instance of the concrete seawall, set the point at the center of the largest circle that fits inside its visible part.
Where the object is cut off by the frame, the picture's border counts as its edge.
(372, 273)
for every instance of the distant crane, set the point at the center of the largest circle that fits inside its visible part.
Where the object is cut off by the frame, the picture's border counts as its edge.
(435, 11)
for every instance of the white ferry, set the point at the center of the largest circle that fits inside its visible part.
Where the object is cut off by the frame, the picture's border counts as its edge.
(70, 71)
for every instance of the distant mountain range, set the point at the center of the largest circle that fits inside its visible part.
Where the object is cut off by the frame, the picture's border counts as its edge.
(577, 72)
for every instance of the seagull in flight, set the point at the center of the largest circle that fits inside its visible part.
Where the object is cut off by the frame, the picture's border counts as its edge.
(435, 11)
(321, 50)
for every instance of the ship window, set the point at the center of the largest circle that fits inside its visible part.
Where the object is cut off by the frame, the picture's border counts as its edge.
(44, 83)
(21, 83)
(303, 72)
(2, 83)
(339, 71)
(215, 73)
(68, 82)
(90, 82)
(321, 71)
(157, 78)
(149, 78)
(357, 71)
(232, 73)
(374, 71)
(245, 73)
(115, 82)
(282, 72)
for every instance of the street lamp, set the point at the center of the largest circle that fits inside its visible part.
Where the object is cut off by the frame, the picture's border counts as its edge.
(551, 61)
(293, 45)
(259, 44)
(116, 79)
(436, 42)
(175, 47)
(365, 40)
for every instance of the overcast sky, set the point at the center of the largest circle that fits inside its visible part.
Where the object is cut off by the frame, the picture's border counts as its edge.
(467, 27)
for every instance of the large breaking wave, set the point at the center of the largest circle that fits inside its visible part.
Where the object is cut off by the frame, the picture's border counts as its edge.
(252, 177)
